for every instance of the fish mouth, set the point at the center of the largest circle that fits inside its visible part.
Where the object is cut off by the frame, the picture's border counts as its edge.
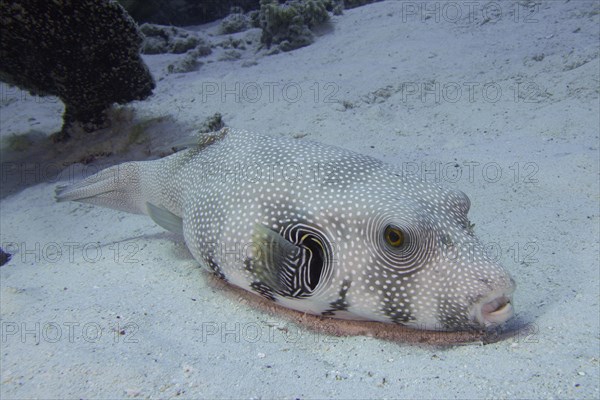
(497, 311)
(493, 310)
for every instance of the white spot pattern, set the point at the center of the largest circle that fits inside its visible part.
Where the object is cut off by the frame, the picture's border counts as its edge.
(223, 190)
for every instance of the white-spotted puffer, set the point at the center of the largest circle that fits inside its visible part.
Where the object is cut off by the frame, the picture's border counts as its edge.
(317, 229)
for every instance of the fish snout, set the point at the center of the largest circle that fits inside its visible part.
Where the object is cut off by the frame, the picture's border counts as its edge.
(493, 309)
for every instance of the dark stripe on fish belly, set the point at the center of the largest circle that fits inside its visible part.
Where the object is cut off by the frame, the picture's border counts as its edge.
(215, 268)
(341, 304)
(397, 311)
(263, 290)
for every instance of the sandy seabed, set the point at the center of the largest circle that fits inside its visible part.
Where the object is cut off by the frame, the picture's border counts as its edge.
(501, 103)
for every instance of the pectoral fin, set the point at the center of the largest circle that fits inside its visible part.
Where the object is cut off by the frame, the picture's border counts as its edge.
(275, 260)
(165, 218)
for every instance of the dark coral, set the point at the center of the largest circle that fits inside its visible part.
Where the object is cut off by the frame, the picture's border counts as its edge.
(4, 257)
(183, 12)
(160, 39)
(86, 52)
(289, 25)
(235, 22)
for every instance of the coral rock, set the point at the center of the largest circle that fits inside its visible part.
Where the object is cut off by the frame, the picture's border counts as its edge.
(86, 52)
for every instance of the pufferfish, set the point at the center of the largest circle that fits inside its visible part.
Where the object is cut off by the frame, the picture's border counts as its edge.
(317, 229)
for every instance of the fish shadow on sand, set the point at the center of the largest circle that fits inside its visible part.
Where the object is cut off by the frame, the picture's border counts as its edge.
(517, 330)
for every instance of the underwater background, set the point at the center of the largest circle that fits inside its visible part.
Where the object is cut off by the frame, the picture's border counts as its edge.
(497, 99)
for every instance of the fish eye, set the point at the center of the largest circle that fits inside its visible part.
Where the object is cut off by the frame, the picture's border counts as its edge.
(393, 236)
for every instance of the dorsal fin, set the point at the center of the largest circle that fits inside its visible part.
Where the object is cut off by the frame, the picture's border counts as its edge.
(201, 141)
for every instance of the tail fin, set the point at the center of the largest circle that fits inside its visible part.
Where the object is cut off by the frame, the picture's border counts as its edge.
(118, 187)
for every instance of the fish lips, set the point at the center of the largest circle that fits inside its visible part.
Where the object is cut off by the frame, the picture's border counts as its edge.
(493, 309)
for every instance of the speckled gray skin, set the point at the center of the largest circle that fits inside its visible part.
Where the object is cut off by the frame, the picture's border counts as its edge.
(317, 229)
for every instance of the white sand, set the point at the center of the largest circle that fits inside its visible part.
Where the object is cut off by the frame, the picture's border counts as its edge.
(79, 268)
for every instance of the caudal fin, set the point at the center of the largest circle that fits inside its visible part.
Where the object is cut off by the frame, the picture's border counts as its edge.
(118, 187)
